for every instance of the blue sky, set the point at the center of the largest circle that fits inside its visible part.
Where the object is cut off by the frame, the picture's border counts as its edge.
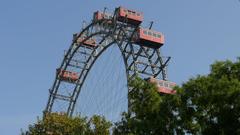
(34, 34)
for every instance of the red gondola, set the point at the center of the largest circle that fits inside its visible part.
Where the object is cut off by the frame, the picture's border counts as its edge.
(133, 17)
(99, 16)
(91, 42)
(149, 38)
(163, 86)
(67, 75)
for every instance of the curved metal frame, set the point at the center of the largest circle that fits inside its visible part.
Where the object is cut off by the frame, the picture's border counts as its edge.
(138, 60)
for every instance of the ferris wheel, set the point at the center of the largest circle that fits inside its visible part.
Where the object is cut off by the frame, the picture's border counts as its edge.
(103, 57)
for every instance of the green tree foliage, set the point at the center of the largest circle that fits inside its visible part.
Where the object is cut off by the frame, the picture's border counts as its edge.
(208, 104)
(149, 114)
(61, 124)
(211, 104)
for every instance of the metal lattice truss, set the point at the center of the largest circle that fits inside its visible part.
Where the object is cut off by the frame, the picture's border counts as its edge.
(79, 58)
